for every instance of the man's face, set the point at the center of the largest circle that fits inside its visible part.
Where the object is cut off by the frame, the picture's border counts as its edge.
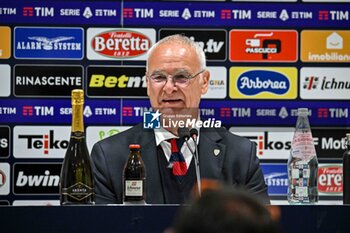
(170, 59)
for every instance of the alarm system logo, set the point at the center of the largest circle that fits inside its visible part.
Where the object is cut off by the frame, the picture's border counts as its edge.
(114, 44)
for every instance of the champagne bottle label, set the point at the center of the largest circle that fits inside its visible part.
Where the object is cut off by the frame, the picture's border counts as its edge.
(134, 188)
(78, 191)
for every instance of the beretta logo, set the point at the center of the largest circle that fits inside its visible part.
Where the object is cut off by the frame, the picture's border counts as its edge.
(49, 43)
(4, 141)
(46, 80)
(116, 81)
(263, 83)
(113, 44)
(36, 178)
(40, 142)
(213, 42)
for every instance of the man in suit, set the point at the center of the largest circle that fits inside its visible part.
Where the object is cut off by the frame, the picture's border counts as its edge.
(176, 79)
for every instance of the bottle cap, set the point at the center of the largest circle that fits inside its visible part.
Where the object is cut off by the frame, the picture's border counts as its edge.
(134, 146)
(77, 96)
(303, 111)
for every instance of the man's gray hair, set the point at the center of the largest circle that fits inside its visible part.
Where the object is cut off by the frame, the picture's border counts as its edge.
(181, 39)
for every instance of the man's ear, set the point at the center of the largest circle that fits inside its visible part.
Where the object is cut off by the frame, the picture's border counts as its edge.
(205, 81)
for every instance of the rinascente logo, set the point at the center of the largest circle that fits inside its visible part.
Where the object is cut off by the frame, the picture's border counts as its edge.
(49, 43)
(36, 178)
(46, 80)
(263, 45)
(40, 142)
(213, 42)
(119, 44)
(4, 141)
(116, 81)
(324, 83)
(263, 82)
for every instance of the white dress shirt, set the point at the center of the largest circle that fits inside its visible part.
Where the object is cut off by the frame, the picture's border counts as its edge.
(163, 135)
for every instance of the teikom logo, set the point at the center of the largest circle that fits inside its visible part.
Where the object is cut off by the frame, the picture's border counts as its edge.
(169, 119)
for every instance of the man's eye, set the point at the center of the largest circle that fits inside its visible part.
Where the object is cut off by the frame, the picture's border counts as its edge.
(181, 78)
(158, 78)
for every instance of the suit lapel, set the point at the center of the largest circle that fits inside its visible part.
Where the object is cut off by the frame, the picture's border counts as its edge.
(149, 156)
(211, 154)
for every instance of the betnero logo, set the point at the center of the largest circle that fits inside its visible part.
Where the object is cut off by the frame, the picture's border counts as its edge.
(324, 83)
(272, 143)
(46, 80)
(40, 142)
(97, 133)
(330, 179)
(325, 46)
(5, 87)
(36, 178)
(213, 42)
(48, 43)
(4, 178)
(4, 141)
(5, 42)
(276, 178)
(263, 45)
(263, 83)
(113, 44)
(29, 11)
(116, 81)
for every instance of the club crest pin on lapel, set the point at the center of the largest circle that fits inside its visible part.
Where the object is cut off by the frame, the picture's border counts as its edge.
(216, 152)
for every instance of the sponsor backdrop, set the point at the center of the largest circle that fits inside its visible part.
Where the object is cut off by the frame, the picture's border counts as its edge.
(266, 59)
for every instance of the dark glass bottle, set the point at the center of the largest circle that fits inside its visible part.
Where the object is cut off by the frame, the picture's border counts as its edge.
(346, 171)
(76, 182)
(134, 177)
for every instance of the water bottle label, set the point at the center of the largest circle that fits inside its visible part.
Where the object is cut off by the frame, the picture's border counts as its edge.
(134, 188)
(301, 191)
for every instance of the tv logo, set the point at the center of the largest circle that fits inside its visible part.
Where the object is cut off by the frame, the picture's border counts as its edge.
(151, 120)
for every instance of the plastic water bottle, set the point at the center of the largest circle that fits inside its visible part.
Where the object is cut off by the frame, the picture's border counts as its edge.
(302, 163)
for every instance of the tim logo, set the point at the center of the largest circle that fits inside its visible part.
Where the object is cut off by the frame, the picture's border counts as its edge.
(151, 120)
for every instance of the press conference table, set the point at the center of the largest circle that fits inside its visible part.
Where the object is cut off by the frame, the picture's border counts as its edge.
(153, 218)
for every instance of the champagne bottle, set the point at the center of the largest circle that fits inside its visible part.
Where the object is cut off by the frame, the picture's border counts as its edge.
(134, 177)
(346, 171)
(302, 163)
(76, 182)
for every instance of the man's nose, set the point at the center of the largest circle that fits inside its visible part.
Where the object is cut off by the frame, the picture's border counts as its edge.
(169, 85)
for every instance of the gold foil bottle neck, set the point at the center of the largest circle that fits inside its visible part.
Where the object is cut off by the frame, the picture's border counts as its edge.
(77, 97)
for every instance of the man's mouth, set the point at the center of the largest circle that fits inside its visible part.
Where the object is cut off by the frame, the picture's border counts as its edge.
(170, 100)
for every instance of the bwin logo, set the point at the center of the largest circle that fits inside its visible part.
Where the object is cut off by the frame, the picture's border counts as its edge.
(259, 81)
(37, 180)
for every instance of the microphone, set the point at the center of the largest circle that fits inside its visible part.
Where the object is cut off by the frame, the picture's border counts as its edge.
(194, 136)
(185, 133)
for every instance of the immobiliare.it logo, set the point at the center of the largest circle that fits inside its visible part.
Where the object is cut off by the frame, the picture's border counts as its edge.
(156, 120)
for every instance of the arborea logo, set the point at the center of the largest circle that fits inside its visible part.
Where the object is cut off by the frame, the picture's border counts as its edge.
(156, 120)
